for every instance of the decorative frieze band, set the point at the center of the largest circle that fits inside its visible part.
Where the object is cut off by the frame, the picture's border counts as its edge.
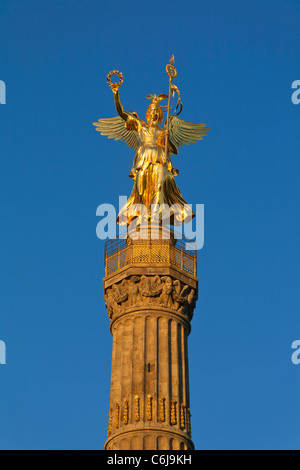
(150, 290)
(179, 414)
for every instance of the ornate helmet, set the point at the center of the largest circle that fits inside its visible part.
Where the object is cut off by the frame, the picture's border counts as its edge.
(155, 105)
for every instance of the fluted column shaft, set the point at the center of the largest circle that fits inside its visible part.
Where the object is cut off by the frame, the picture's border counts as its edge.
(149, 382)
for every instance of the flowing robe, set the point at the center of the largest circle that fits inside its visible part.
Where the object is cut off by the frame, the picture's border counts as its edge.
(154, 185)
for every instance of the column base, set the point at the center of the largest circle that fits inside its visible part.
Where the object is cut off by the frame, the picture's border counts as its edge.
(150, 439)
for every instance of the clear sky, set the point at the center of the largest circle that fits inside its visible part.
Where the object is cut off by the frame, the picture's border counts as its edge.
(236, 62)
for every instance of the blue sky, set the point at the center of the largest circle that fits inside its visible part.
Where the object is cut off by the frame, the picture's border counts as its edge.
(236, 62)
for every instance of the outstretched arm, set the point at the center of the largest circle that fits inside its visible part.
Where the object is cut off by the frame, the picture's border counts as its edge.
(118, 104)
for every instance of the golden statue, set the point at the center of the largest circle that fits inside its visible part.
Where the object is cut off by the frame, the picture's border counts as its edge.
(153, 174)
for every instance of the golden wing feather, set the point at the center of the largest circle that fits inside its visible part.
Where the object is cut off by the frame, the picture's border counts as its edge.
(114, 128)
(184, 132)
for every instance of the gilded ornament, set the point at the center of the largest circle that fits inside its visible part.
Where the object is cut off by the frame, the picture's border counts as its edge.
(117, 415)
(109, 423)
(137, 408)
(162, 410)
(126, 412)
(173, 417)
(149, 408)
(182, 416)
(189, 427)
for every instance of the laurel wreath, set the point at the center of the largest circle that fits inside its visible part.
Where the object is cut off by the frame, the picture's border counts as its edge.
(117, 84)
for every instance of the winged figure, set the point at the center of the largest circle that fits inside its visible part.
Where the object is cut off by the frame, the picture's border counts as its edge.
(155, 194)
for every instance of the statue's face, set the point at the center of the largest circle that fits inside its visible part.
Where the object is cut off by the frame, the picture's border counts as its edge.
(153, 115)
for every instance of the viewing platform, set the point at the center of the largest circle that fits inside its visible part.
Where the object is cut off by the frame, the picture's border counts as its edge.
(121, 252)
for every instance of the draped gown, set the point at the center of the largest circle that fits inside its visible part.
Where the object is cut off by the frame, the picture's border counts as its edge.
(154, 184)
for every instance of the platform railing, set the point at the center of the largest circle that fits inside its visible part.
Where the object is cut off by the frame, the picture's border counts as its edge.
(119, 253)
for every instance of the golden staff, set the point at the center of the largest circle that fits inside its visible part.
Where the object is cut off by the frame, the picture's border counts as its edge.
(172, 72)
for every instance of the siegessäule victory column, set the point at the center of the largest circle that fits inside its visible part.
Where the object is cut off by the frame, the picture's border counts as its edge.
(150, 284)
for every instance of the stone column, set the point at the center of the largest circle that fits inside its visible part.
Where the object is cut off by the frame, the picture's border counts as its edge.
(150, 297)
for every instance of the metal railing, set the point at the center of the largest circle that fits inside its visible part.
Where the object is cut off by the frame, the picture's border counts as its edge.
(120, 253)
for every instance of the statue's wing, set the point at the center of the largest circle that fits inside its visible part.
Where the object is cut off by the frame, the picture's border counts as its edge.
(184, 132)
(114, 128)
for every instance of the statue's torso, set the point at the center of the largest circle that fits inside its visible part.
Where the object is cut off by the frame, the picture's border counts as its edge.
(150, 151)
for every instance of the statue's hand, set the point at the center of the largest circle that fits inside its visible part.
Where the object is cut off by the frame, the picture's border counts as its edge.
(161, 140)
(115, 88)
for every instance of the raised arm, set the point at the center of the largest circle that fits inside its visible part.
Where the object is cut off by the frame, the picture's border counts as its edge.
(118, 104)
